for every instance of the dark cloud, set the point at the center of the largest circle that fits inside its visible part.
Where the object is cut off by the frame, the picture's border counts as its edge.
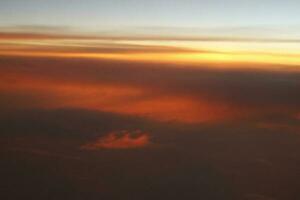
(244, 157)
(220, 161)
(50, 140)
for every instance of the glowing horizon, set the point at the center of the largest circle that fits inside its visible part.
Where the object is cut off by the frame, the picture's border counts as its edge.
(208, 50)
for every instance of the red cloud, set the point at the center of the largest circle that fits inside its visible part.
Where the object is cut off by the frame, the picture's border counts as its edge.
(119, 140)
(298, 116)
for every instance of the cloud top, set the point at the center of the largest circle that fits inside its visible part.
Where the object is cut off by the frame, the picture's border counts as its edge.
(119, 140)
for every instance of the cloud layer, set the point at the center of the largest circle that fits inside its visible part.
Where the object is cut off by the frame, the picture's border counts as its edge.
(158, 92)
(165, 48)
(223, 133)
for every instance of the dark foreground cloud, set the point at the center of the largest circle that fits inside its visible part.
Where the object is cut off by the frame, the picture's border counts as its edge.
(220, 161)
(51, 141)
(214, 133)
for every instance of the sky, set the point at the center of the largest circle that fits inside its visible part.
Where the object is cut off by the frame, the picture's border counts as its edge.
(238, 31)
(150, 99)
(175, 13)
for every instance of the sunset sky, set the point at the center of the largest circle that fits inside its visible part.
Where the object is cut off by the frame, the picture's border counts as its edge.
(199, 31)
(150, 100)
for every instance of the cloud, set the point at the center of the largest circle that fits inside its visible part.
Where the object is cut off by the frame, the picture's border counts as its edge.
(257, 197)
(284, 127)
(190, 158)
(40, 32)
(119, 140)
(160, 92)
(43, 153)
(170, 49)
(105, 94)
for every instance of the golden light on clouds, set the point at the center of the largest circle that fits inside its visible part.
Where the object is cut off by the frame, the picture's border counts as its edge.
(131, 98)
(134, 92)
(193, 59)
(121, 99)
(209, 51)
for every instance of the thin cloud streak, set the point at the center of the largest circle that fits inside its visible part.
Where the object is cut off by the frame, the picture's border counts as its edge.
(60, 36)
(166, 49)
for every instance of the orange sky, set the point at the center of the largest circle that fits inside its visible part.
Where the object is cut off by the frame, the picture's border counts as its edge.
(193, 51)
(223, 53)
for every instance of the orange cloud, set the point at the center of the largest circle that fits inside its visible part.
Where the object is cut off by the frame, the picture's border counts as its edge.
(119, 140)
(182, 50)
(152, 92)
(116, 98)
